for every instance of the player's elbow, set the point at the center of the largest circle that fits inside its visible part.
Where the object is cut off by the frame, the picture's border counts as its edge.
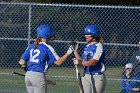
(57, 63)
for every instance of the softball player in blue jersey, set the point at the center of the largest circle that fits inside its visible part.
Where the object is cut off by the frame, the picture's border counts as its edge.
(38, 57)
(92, 59)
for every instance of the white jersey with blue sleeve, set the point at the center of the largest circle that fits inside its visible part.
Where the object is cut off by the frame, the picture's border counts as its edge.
(40, 58)
(94, 51)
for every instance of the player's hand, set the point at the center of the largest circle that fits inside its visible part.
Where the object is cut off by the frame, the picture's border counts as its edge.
(70, 50)
(75, 45)
(77, 61)
(22, 63)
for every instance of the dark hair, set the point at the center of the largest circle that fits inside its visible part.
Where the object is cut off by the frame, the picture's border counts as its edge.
(131, 75)
(100, 39)
(37, 41)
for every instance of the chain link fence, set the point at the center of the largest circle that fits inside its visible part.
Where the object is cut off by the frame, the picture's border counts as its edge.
(120, 28)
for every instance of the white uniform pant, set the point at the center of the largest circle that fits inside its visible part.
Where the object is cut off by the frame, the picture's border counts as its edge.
(35, 82)
(95, 84)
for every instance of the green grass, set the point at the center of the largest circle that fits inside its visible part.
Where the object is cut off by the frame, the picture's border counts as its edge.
(63, 85)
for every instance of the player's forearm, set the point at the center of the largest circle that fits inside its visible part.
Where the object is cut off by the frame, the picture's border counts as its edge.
(89, 63)
(77, 55)
(62, 59)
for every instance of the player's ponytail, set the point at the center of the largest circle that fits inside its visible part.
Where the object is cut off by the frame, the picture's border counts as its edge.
(37, 41)
(100, 39)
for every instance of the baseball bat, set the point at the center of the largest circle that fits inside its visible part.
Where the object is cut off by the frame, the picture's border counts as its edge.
(48, 81)
(78, 76)
(79, 79)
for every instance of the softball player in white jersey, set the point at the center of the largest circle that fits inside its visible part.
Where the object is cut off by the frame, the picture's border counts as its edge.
(92, 59)
(38, 56)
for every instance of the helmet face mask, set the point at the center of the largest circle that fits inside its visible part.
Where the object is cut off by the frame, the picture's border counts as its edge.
(45, 31)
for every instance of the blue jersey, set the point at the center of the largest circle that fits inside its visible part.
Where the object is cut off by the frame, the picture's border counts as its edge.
(127, 85)
(40, 58)
(94, 51)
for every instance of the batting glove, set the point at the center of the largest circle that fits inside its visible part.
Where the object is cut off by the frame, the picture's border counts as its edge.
(70, 50)
(75, 45)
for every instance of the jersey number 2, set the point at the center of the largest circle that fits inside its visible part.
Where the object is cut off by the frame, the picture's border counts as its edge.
(33, 58)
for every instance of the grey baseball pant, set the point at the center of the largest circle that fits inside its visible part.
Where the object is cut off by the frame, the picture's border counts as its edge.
(35, 82)
(95, 84)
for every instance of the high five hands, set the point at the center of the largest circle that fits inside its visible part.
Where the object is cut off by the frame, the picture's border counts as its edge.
(73, 47)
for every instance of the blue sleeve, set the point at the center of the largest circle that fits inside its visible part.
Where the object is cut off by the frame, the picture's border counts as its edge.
(52, 56)
(26, 55)
(135, 83)
(138, 79)
(123, 82)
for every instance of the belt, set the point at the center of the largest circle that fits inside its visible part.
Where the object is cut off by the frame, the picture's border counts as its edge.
(99, 73)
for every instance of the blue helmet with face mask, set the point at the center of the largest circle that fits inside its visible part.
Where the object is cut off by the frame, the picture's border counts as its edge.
(45, 31)
(92, 30)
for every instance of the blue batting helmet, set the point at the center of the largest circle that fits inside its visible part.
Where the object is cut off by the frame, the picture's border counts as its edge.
(93, 30)
(45, 31)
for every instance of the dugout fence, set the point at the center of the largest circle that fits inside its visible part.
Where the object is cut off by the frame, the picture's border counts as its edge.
(18, 22)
